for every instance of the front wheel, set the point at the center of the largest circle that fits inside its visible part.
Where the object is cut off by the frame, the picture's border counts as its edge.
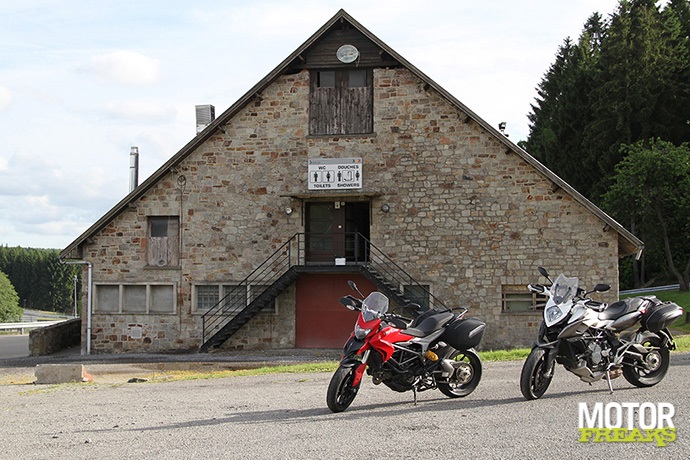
(467, 371)
(341, 393)
(654, 364)
(535, 377)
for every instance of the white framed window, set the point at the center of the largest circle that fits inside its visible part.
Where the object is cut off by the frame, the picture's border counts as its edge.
(136, 298)
(517, 298)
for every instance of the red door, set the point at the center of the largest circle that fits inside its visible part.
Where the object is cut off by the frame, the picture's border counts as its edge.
(321, 320)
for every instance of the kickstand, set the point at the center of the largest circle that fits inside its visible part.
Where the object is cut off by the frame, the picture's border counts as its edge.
(608, 380)
(414, 389)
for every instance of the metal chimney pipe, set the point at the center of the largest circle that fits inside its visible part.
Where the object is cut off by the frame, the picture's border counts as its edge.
(133, 168)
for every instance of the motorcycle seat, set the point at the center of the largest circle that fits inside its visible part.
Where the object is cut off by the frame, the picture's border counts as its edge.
(428, 324)
(620, 308)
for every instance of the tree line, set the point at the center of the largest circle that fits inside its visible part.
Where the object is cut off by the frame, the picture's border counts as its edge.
(38, 278)
(612, 118)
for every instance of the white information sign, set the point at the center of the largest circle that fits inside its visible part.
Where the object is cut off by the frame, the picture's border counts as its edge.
(335, 173)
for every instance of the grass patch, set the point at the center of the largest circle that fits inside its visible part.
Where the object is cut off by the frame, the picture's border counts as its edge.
(682, 343)
(516, 354)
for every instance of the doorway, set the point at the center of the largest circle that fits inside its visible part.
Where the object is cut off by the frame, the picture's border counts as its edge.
(333, 231)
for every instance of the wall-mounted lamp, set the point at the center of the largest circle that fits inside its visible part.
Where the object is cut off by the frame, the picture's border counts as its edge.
(288, 210)
(385, 207)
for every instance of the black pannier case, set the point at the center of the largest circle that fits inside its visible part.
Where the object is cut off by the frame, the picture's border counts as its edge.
(660, 316)
(464, 333)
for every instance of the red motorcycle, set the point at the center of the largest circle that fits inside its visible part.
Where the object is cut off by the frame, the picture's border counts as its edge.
(434, 350)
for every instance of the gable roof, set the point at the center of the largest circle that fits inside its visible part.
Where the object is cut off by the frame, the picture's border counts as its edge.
(627, 242)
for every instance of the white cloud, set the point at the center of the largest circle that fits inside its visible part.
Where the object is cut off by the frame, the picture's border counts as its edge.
(140, 111)
(128, 68)
(5, 98)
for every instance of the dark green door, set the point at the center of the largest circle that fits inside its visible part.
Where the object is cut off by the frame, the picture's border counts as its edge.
(333, 230)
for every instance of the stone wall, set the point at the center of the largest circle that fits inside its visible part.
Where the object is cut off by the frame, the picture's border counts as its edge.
(466, 217)
(51, 339)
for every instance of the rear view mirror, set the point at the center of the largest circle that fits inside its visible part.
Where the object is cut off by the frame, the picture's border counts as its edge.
(602, 287)
(348, 303)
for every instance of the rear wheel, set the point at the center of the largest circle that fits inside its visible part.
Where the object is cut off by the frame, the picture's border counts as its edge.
(535, 377)
(654, 364)
(341, 393)
(466, 374)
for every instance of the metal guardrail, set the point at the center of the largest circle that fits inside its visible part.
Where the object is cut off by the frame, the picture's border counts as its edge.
(671, 287)
(30, 325)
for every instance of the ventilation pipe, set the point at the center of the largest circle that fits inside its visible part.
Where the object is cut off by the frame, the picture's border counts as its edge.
(205, 114)
(133, 168)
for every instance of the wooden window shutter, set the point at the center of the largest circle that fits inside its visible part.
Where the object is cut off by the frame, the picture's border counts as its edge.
(341, 102)
(163, 241)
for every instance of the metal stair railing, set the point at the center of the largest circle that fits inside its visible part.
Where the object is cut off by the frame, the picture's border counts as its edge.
(395, 277)
(248, 290)
(373, 263)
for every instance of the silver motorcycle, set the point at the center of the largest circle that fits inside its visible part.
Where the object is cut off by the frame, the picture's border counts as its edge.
(595, 340)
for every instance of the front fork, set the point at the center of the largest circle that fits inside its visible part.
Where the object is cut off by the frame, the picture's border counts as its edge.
(551, 349)
(352, 349)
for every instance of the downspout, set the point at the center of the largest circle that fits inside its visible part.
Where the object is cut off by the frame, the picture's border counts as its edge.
(88, 297)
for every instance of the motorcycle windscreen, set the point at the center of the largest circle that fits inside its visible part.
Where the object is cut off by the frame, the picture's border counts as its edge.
(375, 305)
(564, 289)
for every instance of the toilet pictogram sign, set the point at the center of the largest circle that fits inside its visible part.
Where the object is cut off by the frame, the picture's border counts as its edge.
(335, 173)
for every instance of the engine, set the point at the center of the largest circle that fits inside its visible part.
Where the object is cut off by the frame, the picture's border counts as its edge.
(400, 372)
(586, 357)
(597, 355)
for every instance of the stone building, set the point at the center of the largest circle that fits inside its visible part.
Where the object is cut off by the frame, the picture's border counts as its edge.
(345, 162)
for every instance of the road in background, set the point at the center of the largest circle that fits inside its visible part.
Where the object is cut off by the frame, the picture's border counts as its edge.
(14, 346)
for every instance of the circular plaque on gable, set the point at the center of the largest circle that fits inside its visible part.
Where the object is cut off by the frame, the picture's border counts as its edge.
(347, 54)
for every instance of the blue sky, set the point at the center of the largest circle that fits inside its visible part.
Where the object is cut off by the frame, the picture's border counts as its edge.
(83, 81)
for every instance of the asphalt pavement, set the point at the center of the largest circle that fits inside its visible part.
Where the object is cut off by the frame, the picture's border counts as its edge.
(280, 416)
(14, 346)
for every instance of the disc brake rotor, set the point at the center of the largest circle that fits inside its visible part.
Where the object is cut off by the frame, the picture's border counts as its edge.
(652, 360)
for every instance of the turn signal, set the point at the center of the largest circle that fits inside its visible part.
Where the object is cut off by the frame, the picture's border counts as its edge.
(430, 355)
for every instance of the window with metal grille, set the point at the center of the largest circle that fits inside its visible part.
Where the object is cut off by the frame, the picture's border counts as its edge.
(234, 298)
(520, 299)
(418, 294)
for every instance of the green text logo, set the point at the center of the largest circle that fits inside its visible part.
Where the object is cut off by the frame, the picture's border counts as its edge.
(627, 422)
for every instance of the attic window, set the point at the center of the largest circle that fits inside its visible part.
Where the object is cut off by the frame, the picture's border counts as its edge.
(326, 79)
(163, 241)
(341, 102)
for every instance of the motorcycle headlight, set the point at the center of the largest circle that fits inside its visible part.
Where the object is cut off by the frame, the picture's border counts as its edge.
(553, 314)
(360, 332)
